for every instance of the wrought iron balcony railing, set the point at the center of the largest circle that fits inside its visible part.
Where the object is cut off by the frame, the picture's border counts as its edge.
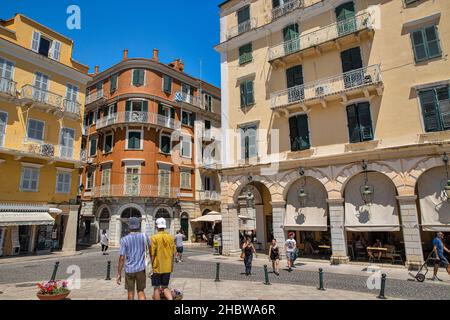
(334, 85)
(325, 34)
(207, 195)
(43, 97)
(7, 87)
(72, 107)
(134, 190)
(242, 28)
(94, 96)
(187, 98)
(285, 8)
(138, 117)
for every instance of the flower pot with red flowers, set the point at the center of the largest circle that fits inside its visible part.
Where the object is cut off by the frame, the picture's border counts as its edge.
(53, 290)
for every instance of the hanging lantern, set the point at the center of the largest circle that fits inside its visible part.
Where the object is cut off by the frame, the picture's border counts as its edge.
(302, 196)
(446, 188)
(250, 200)
(367, 190)
(447, 191)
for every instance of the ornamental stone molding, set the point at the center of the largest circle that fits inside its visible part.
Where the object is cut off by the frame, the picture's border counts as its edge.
(130, 205)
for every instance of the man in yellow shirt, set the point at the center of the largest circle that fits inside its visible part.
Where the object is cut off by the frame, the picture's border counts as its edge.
(162, 252)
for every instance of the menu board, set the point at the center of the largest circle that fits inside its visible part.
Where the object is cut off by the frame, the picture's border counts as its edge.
(2, 240)
(44, 238)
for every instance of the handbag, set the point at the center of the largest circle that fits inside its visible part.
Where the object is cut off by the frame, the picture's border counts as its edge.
(242, 254)
(148, 260)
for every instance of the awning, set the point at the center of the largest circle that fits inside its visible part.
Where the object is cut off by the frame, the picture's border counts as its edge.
(25, 218)
(215, 216)
(305, 219)
(373, 228)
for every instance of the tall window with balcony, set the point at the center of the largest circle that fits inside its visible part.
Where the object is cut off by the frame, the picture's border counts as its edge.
(359, 122)
(90, 178)
(6, 77)
(426, 44)
(282, 7)
(186, 146)
(291, 38)
(245, 53)
(299, 132)
(188, 118)
(351, 65)
(70, 104)
(435, 104)
(45, 46)
(67, 139)
(40, 90)
(166, 115)
(134, 140)
(99, 90)
(248, 142)
(108, 143)
(247, 96)
(345, 17)
(92, 146)
(132, 180)
(136, 111)
(165, 144)
(163, 181)
(243, 18)
(294, 81)
(187, 93)
(106, 181)
(3, 122)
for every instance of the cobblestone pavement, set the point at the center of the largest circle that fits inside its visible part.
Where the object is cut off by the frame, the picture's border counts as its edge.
(93, 266)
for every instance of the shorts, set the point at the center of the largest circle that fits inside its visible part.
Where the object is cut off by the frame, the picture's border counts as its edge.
(290, 255)
(160, 280)
(180, 249)
(135, 280)
(443, 262)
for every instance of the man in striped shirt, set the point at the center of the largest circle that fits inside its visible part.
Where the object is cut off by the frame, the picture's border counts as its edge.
(132, 255)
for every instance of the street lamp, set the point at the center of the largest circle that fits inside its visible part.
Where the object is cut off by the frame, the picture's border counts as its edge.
(367, 190)
(446, 188)
(302, 194)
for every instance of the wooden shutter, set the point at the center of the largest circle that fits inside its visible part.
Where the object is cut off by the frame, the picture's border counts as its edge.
(127, 110)
(243, 144)
(433, 47)
(352, 123)
(302, 125)
(351, 59)
(345, 11)
(145, 106)
(293, 133)
(443, 96)
(141, 77)
(115, 107)
(290, 32)
(418, 41)
(136, 77)
(36, 41)
(243, 14)
(252, 142)
(243, 95)
(429, 110)
(192, 120)
(365, 121)
(172, 113)
(250, 95)
(161, 110)
(113, 83)
(294, 76)
(56, 50)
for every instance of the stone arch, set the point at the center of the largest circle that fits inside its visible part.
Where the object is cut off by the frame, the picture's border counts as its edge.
(237, 186)
(164, 207)
(293, 176)
(420, 167)
(100, 210)
(131, 205)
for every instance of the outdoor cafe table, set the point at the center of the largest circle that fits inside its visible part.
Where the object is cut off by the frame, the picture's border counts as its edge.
(379, 249)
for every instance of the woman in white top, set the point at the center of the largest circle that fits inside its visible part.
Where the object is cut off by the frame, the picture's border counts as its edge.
(104, 240)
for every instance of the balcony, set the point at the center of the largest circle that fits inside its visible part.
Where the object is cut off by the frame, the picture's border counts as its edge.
(317, 41)
(7, 89)
(209, 196)
(134, 190)
(72, 109)
(139, 118)
(287, 7)
(187, 98)
(83, 155)
(363, 80)
(242, 28)
(98, 97)
(41, 99)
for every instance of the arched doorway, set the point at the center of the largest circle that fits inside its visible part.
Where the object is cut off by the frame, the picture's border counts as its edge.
(104, 219)
(164, 213)
(205, 212)
(125, 216)
(184, 222)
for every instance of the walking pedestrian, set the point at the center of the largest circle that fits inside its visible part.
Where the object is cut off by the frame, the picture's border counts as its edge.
(104, 241)
(274, 256)
(162, 252)
(132, 255)
(440, 259)
(290, 247)
(249, 250)
(179, 238)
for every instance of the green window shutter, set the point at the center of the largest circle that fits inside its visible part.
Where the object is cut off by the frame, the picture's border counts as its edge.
(293, 133)
(115, 107)
(432, 38)
(127, 110)
(141, 77)
(245, 53)
(184, 118)
(303, 127)
(244, 154)
(105, 112)
(353, 125)
(365, 121)
(172, 113)
(86, 120)
(250, 95)
(135, 77)
(243, 95)
(430, 114)
(145, 106)
(167, 84)
(160, 110)
(291, 39)
(243, 14)
(294, 76)
(418, 41)
(93, 147)
(443, 96)
(192, 120)
(113, 83)
(251, 138)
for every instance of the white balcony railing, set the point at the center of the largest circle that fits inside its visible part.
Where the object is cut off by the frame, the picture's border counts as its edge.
(83, 155)
(325, 34)
(207, 195)
(334, 85)
(187, 98)
(94, 96)
(285, 8)
(72, 107)
(7, 87)
(134, 190)
(242, 28)
(138, 117)
(40, 96)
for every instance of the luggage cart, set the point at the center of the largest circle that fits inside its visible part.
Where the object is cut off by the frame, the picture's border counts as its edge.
(420, 276)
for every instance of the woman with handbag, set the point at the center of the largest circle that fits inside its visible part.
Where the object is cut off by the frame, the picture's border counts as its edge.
(274, 256)
(248, 250)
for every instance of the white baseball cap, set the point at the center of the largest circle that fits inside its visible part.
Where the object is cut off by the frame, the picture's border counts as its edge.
(161, 223)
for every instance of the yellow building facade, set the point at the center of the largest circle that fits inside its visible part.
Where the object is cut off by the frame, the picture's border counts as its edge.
(337, 117)
(42, 94)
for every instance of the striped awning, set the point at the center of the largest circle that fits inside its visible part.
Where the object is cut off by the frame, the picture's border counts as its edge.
(25, 218)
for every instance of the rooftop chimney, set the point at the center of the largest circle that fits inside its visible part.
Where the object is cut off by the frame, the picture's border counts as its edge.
(177, 64)
(96, 69)
(125, 54)
(155, 54)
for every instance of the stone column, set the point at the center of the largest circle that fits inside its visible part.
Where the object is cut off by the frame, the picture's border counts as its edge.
(338, 234)
(411, 231)
(70, 235)
(230, 230)
(278, 216)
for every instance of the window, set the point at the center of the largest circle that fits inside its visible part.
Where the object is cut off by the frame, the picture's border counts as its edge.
(6, 75)
(132, 180)
(40, 90)
(166, 115)
(345, 16)
(291, 39)
(46, 47)
(91, 119)
(29, 179)
(63, 181)
(134, 140)
(165, 144)
(185, 177)
(113, 83)
(138, 77)
(248, 142)
(163, 182)
(245, 53)
(99, 89)
(425, 43)
(66, 141)
(207, 184)
(89, 180)
(106, 177)
(108, 143)
(208, 102)
(186, 147)
(35, 130)
(294, 81)
(188, 118)
(188, 91)
(247, 98)
(243, 17)
(92, 146)
(408, 2)
(167, 84)
(299, 132)
(359, 122)
(71, 92)
(435, 104)
(3, 122)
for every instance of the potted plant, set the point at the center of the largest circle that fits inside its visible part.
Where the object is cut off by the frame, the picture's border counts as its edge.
(53, 290)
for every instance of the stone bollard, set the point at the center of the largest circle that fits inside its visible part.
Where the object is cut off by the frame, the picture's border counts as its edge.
(266, 276)
(321, 280)
(108, 271)
(217, 272)
(55, 271)
(383, 286)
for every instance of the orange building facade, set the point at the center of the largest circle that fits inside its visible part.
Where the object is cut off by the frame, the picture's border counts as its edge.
(146, 127)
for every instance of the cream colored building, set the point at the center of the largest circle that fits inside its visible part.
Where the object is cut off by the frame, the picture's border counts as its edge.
(322, 87)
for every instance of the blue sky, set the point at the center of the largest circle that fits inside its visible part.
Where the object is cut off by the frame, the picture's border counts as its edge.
(179, 29)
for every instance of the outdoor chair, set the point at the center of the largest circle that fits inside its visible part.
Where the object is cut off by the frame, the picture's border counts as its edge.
(393, 255)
